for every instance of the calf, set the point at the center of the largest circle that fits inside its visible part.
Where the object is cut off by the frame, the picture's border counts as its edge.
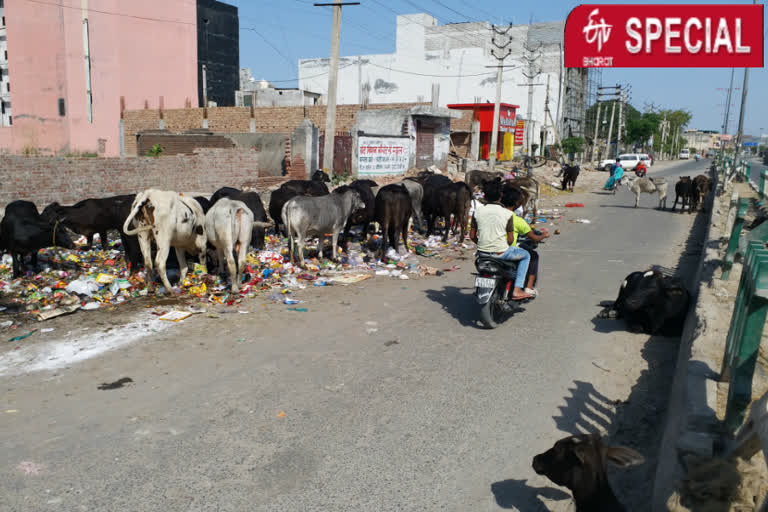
(170, 220)
(89, 217)
(23, 231)
(363, 216)
(701, 186)
(393, 211)
(228, 226)
(580, 463)
(652, 303)
(684, 190)
(317, 216)
(570, 173)
(647, 186)
(288, 191)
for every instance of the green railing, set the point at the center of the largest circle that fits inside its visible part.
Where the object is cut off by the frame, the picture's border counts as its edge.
(733, 241)
(746, 331)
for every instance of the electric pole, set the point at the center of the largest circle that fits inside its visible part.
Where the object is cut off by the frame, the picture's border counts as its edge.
(727, 118)
(740, 133)
(533, 72)
(610, 131)
(597, 125)
(503, 52)
(333, 76)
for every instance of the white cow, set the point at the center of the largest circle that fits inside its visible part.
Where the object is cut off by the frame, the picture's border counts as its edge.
(170, 220)
(648, 186)
(229, 225)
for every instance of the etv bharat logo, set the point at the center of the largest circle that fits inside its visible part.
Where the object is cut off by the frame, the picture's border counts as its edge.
(597, 32)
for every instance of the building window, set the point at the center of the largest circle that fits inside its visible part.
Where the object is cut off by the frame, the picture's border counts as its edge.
(10, 120)
(62, 107)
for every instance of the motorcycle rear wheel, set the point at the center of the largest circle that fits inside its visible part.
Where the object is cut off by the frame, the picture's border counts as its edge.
(490, 312)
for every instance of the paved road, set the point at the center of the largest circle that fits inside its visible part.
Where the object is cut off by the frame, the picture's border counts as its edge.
(324, 410)
(757, 170)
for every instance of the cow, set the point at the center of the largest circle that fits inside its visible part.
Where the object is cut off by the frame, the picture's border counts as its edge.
(570, 173)
(449, 200)
(229, 225)
(580, 463)
(475, 179)
(224, 192)
(652, 303)
(170, 220)
(289, 190)
(684, 190)
(305, 216)
(701, 189)
(90, 216)
(320, 175)
(531, 187)
(23, 231)
(416, 193)
(393, 212)
(253, 201)
(363, 216)
(648, 186)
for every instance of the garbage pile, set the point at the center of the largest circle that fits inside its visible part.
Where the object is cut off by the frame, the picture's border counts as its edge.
(94, 279)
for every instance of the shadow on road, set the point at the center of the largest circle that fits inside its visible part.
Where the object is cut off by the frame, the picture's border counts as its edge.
(518, 495)
(586, 411)
(458, 302)
(630, 206)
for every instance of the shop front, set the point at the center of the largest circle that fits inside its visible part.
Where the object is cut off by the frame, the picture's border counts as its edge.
(483, 127)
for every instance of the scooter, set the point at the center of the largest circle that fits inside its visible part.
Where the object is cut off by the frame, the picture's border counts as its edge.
(641, 171)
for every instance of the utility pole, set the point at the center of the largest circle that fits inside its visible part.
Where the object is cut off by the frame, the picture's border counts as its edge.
(597, 125)
(621, 121)
(333, 76)
(740, 133)
(727, 118)
(610, 131)
(533, 72)
(205, 87)
(503, 53)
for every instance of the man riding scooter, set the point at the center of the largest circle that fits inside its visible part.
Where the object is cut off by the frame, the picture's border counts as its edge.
(641, 170)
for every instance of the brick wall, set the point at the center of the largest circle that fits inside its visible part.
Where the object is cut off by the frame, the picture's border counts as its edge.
(237, 119)
(43, 180)
(182, 143)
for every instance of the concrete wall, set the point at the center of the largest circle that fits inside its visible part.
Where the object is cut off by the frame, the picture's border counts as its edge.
(43, 180)
(424, 48)
(46, 62)
(182, 143)
(271, 148)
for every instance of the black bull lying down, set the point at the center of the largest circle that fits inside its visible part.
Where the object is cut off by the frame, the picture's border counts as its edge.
(652, 303)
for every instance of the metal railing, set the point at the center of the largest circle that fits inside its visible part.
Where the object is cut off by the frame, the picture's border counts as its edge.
(733, 241)
(745, 332)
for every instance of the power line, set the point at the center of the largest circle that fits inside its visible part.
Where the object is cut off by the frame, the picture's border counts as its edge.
(438, 2)
(146, 18)
(377, 2)
(277, 50)
(426, 74)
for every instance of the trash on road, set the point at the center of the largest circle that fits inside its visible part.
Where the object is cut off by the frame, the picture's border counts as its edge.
(21, 337)
(574, 205)
(176, 316)
(53, 313)
(581, 221)
(115, 385)
(300, 310)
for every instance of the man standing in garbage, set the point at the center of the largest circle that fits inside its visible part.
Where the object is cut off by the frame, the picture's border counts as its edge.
(493, 231)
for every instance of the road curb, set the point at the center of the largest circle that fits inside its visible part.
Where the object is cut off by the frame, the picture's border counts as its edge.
(691, 422)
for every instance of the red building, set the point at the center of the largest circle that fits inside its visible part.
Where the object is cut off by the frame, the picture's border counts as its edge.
(483, 126)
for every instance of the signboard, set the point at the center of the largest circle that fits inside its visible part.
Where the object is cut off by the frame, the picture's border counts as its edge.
(382, 155)
(663, 36)
(519, 131)
(750, 144)
(507, 120)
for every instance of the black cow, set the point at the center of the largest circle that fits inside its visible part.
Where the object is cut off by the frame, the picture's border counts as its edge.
(451, 199)
(476, 179)
(580, 463)
(686, 192)
(570, 173)
(364, 216)
(90, 216)
(204, 203)
(652, 303)
(24, 231)
(319, 175)
(223, 192)
(393, 211)
(288, 191)
(701, 189)
(253, 201)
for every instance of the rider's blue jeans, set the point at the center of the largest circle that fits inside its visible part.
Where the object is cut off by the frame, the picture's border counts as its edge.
(523, 258)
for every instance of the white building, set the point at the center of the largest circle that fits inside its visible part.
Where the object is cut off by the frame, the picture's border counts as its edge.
(452, 60)
(260, 93)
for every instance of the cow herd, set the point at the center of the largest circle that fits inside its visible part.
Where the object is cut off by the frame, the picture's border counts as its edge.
(219, 229)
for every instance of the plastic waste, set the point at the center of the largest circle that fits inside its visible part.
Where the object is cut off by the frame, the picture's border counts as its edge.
(91, 306)
(83, 286)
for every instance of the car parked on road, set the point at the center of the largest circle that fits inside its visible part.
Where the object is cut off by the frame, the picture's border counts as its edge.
(628, 161)
(685, 154)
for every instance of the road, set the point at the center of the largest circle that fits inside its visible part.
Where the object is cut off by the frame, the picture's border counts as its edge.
(326, 410)
(757, 169)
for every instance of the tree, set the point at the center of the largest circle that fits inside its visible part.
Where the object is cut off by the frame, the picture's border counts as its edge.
(639, 131)
(678, 120)
(572, 145)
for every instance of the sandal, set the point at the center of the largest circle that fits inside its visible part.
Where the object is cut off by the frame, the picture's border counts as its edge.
(521, 297)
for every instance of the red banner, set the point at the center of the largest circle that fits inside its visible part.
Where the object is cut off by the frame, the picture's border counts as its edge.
(663, 36)
(519, 131)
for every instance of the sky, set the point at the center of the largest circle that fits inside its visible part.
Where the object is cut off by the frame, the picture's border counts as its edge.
(274, 35)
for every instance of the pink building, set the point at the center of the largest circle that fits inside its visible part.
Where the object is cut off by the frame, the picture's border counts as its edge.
(66, 64)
